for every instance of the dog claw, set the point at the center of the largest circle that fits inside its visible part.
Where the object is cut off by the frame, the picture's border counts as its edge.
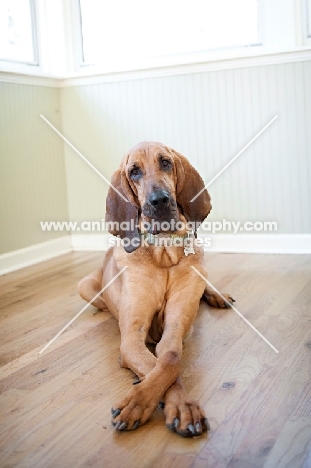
(190, 429)
(198, 428)
(115, 413)
(205, 424)
(176, 423)
(136, 424)
(121, 426)
(189, 432)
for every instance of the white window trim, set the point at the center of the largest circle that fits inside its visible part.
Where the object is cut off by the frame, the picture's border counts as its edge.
(276, 57)
(53, 24)
(71, 70)
(22, 64)
(306, 22)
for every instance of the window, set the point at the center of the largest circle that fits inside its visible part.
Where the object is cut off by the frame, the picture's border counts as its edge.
(17, 31)
(308, 18)
(123, 30)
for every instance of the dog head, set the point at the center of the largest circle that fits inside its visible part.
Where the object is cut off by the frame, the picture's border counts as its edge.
(159, 184)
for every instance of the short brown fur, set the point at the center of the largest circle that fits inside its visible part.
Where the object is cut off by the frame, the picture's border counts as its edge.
(156, 298)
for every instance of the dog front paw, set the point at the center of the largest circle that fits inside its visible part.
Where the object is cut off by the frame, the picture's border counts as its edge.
(134, 410)
(186, 418)
(184, 415)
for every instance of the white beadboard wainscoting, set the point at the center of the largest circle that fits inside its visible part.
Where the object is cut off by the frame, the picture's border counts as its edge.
(208, 115)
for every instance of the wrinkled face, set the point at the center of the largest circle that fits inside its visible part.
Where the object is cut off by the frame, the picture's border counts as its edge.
(160, 187)
(151, 174)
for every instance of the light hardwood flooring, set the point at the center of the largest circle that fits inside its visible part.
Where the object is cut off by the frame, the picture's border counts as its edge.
(55, 406)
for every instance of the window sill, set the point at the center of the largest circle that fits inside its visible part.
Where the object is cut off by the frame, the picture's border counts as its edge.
(23, 73)
(164, 66)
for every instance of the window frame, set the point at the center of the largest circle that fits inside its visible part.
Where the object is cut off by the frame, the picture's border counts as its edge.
(179, 58)
(304, 23)
(74, 36)
(68, 62)
(289, 35)
(34, 37)
(308, 20)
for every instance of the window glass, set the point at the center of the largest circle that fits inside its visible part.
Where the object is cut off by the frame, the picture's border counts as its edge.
(308, 18)
(17, 31)
(121, 30)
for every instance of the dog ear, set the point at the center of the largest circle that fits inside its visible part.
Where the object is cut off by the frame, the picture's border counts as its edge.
(122, 213)
(189, 184)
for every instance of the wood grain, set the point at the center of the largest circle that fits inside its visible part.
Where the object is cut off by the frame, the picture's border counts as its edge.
(55, 407)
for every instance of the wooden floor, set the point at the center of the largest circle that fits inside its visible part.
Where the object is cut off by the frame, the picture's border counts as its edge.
(55, 407)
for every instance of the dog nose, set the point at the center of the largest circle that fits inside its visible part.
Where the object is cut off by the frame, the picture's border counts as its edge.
(159, 198)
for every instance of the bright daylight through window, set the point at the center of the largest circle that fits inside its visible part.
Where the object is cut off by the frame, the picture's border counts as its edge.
(308, 18)
(17, 31)
(121, 30)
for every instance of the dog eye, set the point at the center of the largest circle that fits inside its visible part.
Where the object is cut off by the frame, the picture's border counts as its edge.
(135, 174)
(166, 165)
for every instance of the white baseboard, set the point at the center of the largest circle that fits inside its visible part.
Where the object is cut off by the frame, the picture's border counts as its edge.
(241, 243)
(90, 242)
(261, 243)
(21, 258)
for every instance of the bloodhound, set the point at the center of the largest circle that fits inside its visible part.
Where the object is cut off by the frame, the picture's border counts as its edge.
(156, 298)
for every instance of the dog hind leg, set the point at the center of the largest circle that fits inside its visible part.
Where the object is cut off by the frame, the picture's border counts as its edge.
(89, 286)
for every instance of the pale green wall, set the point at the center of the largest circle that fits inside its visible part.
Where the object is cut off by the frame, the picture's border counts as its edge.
(209, 117)
(32, 170)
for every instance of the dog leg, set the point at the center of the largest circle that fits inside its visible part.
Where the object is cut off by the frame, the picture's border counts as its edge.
(183, 414)
(89, 286)
(141, 401)
(215, 300)
(159, 373)
(155, 374)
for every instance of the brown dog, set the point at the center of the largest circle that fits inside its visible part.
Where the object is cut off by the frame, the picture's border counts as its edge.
(156, 298)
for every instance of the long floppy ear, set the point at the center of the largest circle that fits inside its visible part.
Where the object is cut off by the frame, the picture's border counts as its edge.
(189, 184)
(122, 216)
